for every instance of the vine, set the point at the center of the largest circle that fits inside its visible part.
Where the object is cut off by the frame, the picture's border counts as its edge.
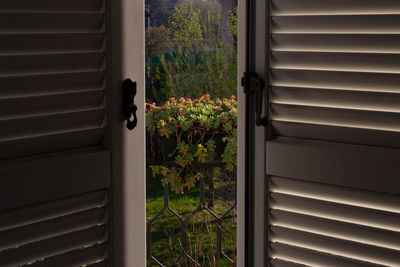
(198, 131)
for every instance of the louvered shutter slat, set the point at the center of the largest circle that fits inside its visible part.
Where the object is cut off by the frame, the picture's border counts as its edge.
(335, 228)
(72, 229)
(345, 43)
(338, 67)
(340, 134)
(50, 63)
(53, 142)
(23, 235)
(386, 63)
(50, 43)
(336, 24)
(310, 257)
(54, 123)
(347, 99)
(335, 246)
(351, 223)
(50, 83)
(381, 82)
(337, 194)
(51, 5)
(77, 257)
(51, 49)
(52, 209)
(340, 212)
(42, 104)
(99, 264)
(282, 263)
(16, 22)
(337, 116)
(54, 246)
(312, 7)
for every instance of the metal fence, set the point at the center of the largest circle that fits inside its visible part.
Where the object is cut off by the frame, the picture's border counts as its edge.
(206, 204)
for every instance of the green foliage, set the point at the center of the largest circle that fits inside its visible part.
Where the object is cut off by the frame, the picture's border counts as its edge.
(166, 229)
(220, 70)
(210, 19)
(197, 128)
(157, 40)
(195, 67)
(163, 87)
(185, 25)
(212, 70)
(233, 24)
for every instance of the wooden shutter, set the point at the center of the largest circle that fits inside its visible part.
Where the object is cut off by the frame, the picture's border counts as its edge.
(335, 71)
(53, 110)
(333, 225)
(66, 232)
(332, 161)
(52, 76)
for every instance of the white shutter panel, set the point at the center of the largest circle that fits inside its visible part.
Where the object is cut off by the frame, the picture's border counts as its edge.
(52, 76)
(54, 171)
(65, 232)
(332, 161)
(325, 219)
(52, 98)
(335, 71)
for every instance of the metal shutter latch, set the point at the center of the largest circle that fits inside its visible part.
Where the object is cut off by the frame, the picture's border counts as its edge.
(252, 83)
(129, 107)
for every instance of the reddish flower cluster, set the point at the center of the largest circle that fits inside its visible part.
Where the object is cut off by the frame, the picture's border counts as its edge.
(196, 126)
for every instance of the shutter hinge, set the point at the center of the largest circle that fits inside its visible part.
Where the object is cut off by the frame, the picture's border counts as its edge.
(252, 83)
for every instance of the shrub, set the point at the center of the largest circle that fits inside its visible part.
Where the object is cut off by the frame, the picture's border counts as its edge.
(196, 128)
(157, 41)
(200, 61)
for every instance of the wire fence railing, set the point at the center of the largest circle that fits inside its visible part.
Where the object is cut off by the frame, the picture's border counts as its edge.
(222, 218)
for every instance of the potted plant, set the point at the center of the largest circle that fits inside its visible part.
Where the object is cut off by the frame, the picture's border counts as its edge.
(193, 133)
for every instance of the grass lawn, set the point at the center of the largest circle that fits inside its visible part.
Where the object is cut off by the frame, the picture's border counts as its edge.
(202, 228)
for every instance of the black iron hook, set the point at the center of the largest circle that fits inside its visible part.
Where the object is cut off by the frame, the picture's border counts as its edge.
(129, 107)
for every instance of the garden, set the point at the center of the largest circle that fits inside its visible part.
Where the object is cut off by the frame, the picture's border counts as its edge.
(191, 119)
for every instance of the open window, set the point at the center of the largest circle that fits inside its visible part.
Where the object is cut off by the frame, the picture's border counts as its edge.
(317, 186)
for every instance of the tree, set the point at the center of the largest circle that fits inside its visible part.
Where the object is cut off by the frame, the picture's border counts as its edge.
(210, 18)
(207, 68)
(162, 87)
(185, 25)
(233, 24)
(157, 42)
